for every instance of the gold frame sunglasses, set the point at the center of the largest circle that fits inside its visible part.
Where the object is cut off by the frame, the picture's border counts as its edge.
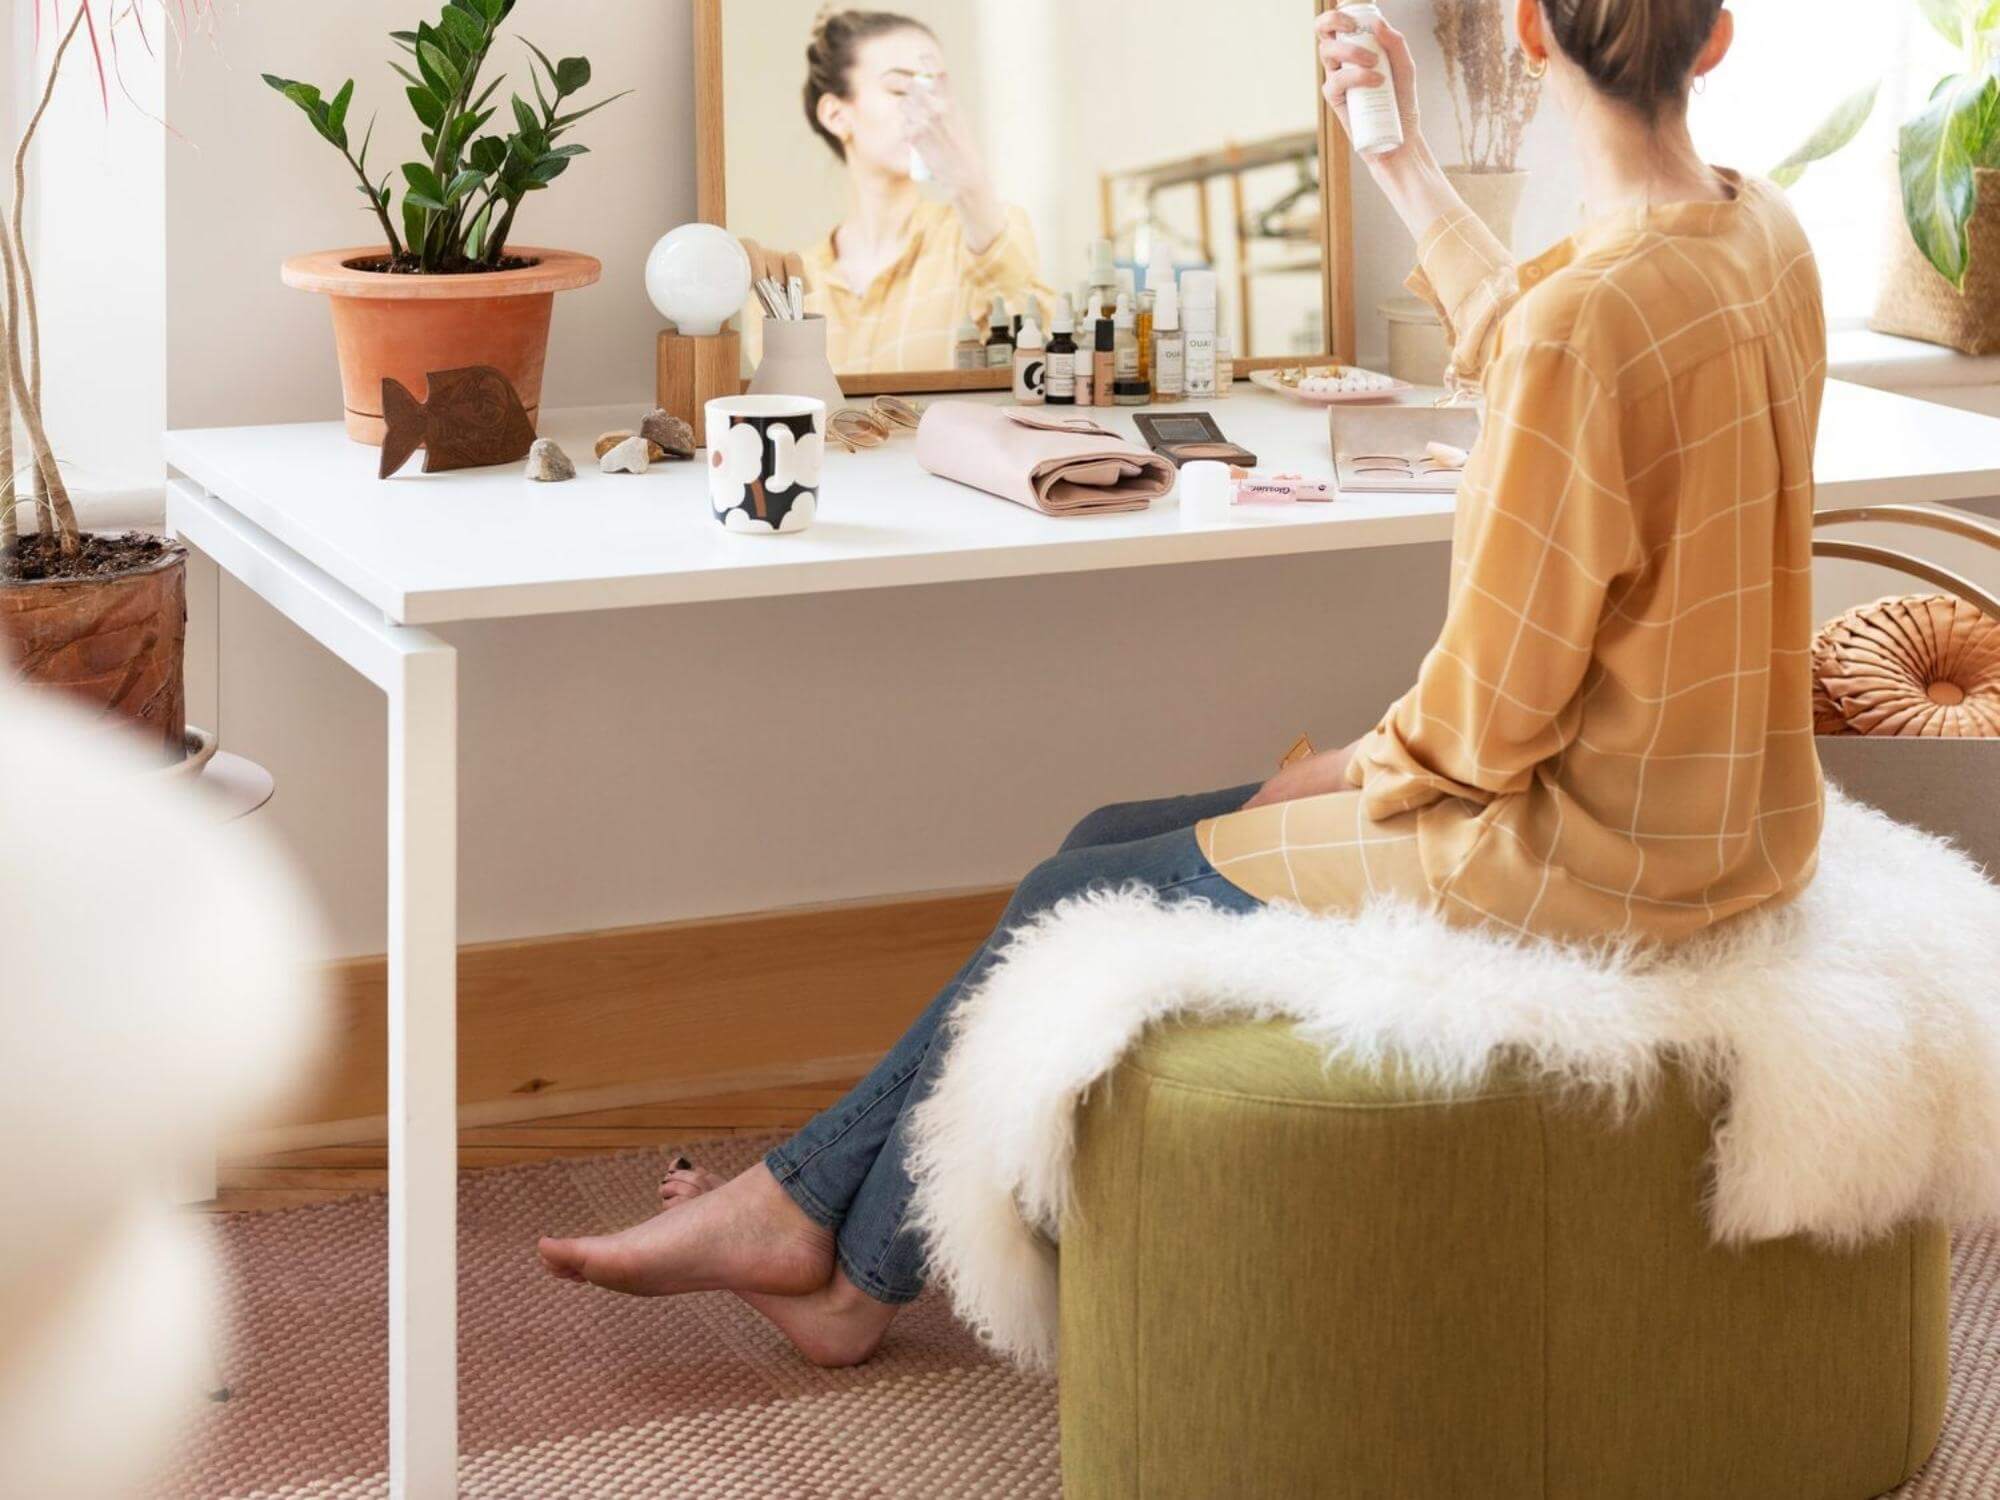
(858, 427)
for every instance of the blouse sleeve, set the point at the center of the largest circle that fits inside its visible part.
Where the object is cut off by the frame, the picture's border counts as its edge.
(1469, 279)
(1009, 267)
(1546, 532)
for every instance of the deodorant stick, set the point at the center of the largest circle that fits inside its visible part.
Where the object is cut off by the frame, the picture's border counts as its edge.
(1373, 119)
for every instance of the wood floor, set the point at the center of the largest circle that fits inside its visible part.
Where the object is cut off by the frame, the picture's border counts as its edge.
(291, 1179)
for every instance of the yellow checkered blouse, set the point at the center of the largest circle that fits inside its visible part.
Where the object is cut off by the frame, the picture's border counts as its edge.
(908, 317)
(1613, 733)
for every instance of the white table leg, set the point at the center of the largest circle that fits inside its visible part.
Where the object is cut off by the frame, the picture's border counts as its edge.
(418, 673)
(423, 1078)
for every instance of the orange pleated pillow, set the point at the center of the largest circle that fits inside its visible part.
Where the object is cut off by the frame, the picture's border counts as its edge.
(1911, 665)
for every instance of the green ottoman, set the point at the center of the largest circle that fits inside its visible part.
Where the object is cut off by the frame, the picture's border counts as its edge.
(1284, 1281)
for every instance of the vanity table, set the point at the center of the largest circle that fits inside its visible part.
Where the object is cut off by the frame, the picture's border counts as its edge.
(367, 567)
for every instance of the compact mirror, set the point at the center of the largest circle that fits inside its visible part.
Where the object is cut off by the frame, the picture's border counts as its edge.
(925, 157)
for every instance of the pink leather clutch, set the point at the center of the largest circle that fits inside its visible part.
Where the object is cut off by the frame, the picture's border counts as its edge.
(1059, 465)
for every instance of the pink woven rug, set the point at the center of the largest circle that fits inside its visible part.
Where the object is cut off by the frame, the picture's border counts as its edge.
(572, 1394)
(567, 1393)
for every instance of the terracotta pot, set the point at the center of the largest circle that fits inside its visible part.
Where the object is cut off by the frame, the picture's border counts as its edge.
(403, 327)
(114, 644)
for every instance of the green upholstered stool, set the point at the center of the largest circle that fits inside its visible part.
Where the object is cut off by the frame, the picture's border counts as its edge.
(1284, 1281)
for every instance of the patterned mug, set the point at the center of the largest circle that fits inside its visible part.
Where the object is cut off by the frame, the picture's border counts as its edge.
(765, 454)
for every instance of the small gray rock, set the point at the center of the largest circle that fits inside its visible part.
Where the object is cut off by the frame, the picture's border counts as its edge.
(668, 433)
(629, 457)
(548, 463)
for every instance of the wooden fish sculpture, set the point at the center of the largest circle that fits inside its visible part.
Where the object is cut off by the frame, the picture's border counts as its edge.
(471, 419)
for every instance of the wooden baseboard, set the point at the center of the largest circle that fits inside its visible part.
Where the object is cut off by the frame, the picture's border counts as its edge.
(646, 1015)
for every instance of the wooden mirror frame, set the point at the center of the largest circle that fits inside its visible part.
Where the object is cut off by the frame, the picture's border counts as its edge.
(1336, 225)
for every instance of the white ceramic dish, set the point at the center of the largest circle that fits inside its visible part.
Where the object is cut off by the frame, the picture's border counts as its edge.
(1268, 380)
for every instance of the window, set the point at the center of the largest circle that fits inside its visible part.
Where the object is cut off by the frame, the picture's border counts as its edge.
(1794, 60)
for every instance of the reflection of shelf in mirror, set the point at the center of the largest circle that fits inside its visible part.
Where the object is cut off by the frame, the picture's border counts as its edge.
(1230, 163)
(1248, 157)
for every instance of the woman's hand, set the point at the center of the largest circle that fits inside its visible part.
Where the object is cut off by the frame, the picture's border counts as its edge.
(939, 133)
(1409, 175)
(1313, 776)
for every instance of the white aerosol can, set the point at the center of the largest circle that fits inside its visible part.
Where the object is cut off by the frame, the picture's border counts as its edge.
(1373, 120)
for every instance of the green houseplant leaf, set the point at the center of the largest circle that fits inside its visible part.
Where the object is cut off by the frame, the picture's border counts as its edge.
(1834, 132)
(1940, 148)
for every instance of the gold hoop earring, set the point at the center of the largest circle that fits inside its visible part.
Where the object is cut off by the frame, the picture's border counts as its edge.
(1538, 67)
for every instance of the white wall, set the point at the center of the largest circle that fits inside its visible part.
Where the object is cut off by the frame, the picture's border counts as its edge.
(94, 174)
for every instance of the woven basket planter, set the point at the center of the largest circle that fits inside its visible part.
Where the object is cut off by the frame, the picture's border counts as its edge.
(1918, 303)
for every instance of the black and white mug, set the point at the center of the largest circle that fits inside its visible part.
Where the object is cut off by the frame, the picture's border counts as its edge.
(765, 454)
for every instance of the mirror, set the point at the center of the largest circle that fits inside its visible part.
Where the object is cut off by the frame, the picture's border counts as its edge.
(922, 160)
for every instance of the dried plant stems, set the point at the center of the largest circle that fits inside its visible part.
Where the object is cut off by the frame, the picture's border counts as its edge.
(24, 376)
(1492, 96)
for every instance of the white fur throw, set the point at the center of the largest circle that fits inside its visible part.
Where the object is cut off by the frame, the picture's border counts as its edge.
(1856, 1032)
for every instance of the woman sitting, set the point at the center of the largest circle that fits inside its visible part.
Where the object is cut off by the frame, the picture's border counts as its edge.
(1611, 738)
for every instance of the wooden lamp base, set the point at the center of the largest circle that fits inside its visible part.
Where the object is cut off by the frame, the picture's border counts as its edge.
(694, 370)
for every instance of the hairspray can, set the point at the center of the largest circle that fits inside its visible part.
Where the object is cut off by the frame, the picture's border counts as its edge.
(1373, 119)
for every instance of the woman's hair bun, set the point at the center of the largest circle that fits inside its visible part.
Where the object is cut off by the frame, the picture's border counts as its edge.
(1639, 52)
(838, 33)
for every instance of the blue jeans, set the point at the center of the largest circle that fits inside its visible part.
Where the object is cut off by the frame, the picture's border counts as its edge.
(846, 1168)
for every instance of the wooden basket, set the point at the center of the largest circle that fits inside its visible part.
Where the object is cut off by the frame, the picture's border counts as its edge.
(1916, 302)
(1943, 786)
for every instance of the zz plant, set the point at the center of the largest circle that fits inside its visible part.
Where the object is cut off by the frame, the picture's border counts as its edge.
(459, 202)
(1945, 145)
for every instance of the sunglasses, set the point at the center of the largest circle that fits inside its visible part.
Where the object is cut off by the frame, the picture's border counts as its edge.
(856, 427)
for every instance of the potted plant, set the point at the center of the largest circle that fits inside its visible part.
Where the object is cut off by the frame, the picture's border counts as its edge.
(1942, 282)
(99, 618)
(446, 288)
(1492, 100)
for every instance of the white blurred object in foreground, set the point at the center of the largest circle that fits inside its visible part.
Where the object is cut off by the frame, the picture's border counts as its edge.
(157, 978)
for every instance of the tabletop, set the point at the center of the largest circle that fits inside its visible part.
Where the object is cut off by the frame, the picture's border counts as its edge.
(489, 543)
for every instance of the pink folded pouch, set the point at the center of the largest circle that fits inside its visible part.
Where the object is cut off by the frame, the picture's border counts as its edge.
(1058, 465)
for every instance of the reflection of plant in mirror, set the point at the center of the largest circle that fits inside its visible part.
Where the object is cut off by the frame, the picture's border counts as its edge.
(1945, 145)
(1492, 96)
(459, 203)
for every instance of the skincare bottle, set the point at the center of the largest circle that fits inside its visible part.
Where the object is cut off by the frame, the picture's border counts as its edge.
(1198, 314)
(1127, 388)
(1225, 349)
(970, 352)
(1104, 365)
(1103, 273)
(1086, 354)
(1373, 118)
(1000, 340)
(1059, 366)
(1169, 347)
(1159, 271)
(1029, 367)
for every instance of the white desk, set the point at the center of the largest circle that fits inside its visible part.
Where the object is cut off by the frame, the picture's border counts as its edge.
(362, 565)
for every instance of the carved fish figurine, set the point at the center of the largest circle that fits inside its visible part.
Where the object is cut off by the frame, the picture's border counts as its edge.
(470, 419)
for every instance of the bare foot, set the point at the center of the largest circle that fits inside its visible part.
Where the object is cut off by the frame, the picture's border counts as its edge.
(835, 1326)
(744, 1236)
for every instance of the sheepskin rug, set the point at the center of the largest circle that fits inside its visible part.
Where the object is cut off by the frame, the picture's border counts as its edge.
(1855, 1032)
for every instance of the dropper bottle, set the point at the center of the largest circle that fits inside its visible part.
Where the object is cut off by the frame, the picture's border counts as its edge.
(1169, 346)
(1000, 338)
(1086, 355)
(1059, 368)
(1104, 365)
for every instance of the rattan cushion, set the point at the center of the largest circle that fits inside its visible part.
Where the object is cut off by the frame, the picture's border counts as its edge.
(1915, 665)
